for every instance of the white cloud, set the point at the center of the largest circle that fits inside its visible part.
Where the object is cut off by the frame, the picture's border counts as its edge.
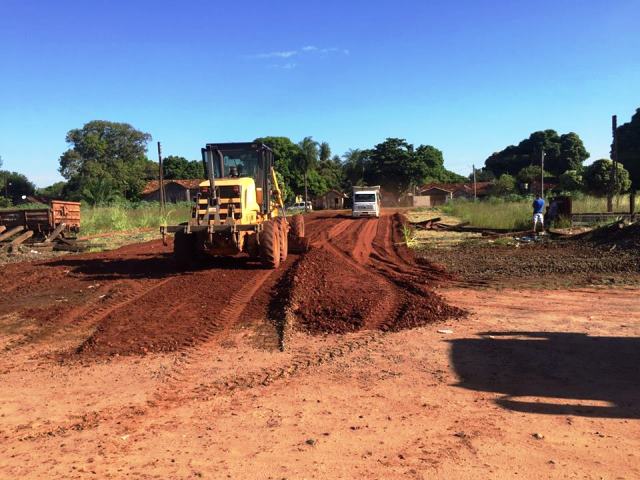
(284, 66)
(307, 49)
(283, 54)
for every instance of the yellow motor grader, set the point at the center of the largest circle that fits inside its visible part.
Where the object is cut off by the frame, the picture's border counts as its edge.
(239, 209)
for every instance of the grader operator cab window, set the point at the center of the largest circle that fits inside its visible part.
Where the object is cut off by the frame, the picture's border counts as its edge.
(235, 162)
(232, 160)
(241, 164)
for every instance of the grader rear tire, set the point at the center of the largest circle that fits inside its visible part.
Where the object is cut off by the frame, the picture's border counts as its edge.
(296, 240)
(296, 226)
(270, 244)
(283, 228)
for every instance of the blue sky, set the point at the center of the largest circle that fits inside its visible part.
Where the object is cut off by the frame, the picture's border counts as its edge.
(468, 77)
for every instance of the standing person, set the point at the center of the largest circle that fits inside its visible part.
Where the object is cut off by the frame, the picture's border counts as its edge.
(538, 208)
(552, 213)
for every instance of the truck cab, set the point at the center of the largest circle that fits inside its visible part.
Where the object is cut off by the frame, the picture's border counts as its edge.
(366, 202)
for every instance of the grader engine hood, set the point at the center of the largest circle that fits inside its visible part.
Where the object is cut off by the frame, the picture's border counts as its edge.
(234, 195)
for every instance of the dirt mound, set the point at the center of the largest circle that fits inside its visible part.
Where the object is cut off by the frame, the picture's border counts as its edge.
(330, 296)
(167, 315)
(616, 235)
(334, 290)
(131, 301)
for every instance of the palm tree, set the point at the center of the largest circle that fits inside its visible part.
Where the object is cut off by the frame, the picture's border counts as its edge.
(307, 160)
(325, 152)
(99, 192)
(354, 165)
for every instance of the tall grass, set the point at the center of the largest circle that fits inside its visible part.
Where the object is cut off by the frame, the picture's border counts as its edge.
(589, 204)
(129, 216)
(515, 212)
(492, 213)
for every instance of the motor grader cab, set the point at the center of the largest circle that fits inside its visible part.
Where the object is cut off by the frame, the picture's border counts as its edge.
(239, 209)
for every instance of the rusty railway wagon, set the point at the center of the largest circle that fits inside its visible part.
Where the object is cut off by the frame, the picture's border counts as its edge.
(60, 215)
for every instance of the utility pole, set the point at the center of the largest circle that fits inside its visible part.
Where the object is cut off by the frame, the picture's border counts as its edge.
(475, 187)
(614, 166)
(542, 173)
(161, 179)
(6, 181)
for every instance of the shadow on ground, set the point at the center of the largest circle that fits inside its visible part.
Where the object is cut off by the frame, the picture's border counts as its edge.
(567, 373)
(147, 266)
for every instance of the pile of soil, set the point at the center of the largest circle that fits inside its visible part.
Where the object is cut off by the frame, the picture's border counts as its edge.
(328, 296)
(329, 292)
(616, 235)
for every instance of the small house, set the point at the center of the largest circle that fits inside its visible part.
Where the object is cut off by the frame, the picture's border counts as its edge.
(176, 191)
(332, 200)
(434, 194)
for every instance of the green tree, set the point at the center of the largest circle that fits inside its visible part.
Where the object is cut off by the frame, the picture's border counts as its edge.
(307, 161)
(392, 164)
(562, 152)
(572, 154)
(324, 152)
(176, 168)
(353, 165)
(571, 181)
(286, 154)
(332, 172)
(504, 185)
(628, 136)
(508, 161)
(99, 191)
(15, 185)
(397, 165)
(530, 176)
(54, 191)
(482, 175)
(598, 178)
(113, 151)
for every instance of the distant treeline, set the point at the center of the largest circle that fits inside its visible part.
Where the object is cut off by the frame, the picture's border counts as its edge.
(107, 161)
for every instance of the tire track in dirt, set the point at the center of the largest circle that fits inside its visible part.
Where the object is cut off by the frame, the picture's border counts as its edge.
(355, 247)
(184, 370)
(326, 235)
(58, 316)
(81, 322)
(184, 381)
(182, 388)
(364, 245)
(298, 365)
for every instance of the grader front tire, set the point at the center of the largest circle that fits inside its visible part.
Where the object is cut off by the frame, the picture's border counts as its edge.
(270, 244)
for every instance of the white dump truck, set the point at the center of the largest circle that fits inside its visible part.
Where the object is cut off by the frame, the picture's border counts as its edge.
(366, 201)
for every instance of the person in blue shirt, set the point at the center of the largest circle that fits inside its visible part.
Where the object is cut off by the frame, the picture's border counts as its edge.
(538, 216)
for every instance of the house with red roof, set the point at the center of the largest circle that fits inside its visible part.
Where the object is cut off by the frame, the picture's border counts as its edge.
(176, 191)
(434, 194)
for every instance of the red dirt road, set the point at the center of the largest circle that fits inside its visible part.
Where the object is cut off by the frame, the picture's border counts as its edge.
(115, 365)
